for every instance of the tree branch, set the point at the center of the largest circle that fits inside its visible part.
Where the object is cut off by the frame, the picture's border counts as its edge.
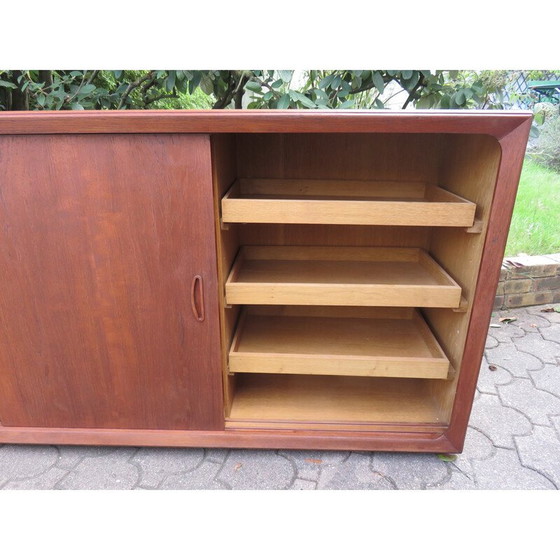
(225, 100)
(414, 90)
(132, 86)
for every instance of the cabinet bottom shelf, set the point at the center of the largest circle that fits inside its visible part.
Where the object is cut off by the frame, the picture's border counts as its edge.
(331, 402)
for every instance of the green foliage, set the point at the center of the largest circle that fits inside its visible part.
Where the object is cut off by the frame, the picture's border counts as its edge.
(546, 150)
(464, 90)
(96, 89)
(253, 89)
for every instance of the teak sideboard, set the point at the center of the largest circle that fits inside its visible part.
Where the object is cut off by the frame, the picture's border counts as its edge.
(266, 279)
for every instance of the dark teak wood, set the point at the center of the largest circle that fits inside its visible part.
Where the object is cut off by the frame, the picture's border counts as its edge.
(102, 238)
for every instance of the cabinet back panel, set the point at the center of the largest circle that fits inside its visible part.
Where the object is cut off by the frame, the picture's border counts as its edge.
(365, 157)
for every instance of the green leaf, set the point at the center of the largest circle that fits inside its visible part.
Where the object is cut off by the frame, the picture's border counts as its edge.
(337, 80)
(117, 73)
(347, 104)
(377, 80)
(446, 457)
(459, 98)
(194, 81)
(7, 84)
(305, 101)
(76, 107)
(87, 89)
(170, 81)
(406, 74)
(379, 104)
(277, 84)
(268, 96)
(424, 102)
(253, 86)
(283, 102)
(285, 75)
(206, 84)
(326, 81)
(445, 102)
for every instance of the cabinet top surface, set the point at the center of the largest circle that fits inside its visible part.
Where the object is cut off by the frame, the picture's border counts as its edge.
(493, 123)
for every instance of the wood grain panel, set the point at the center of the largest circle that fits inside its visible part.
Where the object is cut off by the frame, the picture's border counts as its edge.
(100, 239)
(495, 123)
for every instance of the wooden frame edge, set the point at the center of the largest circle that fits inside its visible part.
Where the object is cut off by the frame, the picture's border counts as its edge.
(244, 439)
(513, 148)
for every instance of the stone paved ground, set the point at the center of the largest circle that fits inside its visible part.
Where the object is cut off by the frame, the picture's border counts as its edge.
(513, 441)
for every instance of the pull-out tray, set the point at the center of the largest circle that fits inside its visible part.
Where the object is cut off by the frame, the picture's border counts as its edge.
(280, 275)
(298, 201)
(362, 342)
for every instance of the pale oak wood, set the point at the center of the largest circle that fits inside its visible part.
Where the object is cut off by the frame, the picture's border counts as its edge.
(340, 276)
(350, 206)
(331, 399)
(334, 345)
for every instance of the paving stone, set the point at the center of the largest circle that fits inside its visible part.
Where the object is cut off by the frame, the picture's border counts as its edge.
(201, 478)
(497, 422)
(555, 420)
(18, 462)
(547, 379)
(257, 469)
(505, 332)
(44, 481)
(216, 455)
(156, 464)
(306, 463)
(551, 333)
(541, 452)
(489, 378)
(552, 318)
(537, 405)
(503, 471)
(355, 473)
(301, 484)
(531, 323)
(547, 350)
(477, 445)
(105, 472)
(70, 455)
(491, 341)
(457, 481)
(416, 471)
(517, 362)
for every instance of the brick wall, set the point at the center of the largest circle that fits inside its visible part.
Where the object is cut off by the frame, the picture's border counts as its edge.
(529, 280)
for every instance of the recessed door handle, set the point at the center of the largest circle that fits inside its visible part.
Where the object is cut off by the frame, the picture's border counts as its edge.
(197, 303)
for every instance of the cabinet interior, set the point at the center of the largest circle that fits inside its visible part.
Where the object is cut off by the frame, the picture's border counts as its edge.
(323, 235)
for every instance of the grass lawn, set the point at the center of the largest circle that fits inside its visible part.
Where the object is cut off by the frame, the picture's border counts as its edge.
(535, 226)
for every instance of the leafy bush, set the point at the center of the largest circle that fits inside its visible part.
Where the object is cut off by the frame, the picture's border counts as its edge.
(547, 147)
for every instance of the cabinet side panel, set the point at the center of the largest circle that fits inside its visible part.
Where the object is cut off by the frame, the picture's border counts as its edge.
(101, 239)
(469, 169)
(224, 171)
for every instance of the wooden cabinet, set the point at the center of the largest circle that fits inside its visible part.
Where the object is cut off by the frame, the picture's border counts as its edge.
(250, 278)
